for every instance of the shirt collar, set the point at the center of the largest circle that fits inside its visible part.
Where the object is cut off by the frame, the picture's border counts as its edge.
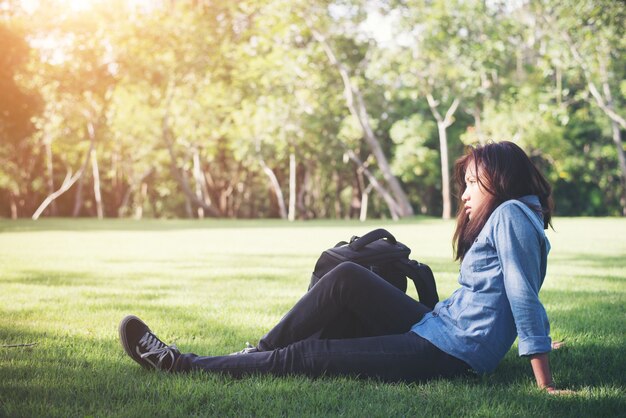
(532, 201)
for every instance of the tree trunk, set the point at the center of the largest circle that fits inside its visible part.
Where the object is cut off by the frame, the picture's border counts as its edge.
(188, 207)
(478, 129)
(117, 189)
(302, 193)
(78, 198)
(292, 187)
(357, 193)
(242, 185)
(13, 206)
(391, 203)
(96, 184)
(180, 177)
(50, 169)
(199, 179)
(356, 105)
(337, 203)
(123, 208)
(275, 185)
(445, 171)
(364, 202)
(143, 194)
(442, 124)
(67, 183)
(132, 187)
(318, 200)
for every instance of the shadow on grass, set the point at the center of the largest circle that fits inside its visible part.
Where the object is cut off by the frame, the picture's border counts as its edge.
(78, 375)
(84, 376)
(592, 325)
(68, 375)
(593, 355)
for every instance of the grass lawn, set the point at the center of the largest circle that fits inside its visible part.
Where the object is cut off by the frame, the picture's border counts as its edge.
(210, 286)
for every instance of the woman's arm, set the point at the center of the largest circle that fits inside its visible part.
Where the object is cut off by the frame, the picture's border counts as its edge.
(543, 376)
(522, 251)
(541, 369)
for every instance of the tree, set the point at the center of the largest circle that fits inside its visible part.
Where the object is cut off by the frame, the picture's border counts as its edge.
(76, 78)
(299, 109)
(439, 64)
(397, 199)
(593, 34)
(17, 108)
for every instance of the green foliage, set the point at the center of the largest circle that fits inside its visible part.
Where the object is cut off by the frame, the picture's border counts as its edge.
(19, 157)
(200, 100)
(416, 160)
(17, 106)
(416, 155)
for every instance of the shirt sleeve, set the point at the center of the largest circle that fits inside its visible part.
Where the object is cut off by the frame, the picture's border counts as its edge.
(520, 247)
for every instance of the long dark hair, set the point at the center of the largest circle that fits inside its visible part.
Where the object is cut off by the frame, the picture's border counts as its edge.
(505, 172)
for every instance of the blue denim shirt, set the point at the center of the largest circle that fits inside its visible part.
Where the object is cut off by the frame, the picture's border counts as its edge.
(498, 300)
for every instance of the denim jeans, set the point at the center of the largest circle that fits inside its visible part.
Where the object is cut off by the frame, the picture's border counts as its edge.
(351, 323)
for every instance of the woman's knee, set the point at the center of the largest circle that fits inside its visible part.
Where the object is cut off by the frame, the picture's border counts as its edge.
(346, 270)
(344, 274)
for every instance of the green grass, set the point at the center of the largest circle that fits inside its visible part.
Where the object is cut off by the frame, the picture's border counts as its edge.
(210, 286)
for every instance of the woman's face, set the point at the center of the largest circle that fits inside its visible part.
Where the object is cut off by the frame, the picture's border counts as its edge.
(475, 196)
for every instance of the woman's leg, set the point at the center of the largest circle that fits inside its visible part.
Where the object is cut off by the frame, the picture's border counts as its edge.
(347, 291)
(406, 357)
(403, 357)
(392, 353)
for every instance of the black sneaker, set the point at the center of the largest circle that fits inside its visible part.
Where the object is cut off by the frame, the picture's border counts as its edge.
(249, 349)
(144, 347)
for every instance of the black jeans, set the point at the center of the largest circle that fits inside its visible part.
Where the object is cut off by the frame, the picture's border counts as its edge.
(351, 322)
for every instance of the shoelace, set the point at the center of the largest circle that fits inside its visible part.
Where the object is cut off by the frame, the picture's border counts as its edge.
(155, 347)
(249, 349)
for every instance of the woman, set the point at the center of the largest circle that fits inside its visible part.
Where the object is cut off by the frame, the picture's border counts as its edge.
(500, 241)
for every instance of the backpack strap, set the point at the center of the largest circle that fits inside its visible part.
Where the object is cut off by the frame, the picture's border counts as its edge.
(357, 243)
(423, 279)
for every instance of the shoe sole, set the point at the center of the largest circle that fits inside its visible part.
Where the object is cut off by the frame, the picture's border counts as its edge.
(124, 342)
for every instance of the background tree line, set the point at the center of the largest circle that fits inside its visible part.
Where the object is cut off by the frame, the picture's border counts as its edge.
(302, 109)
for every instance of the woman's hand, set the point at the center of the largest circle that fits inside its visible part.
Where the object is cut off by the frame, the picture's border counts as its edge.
(552, 390)
(558, 344)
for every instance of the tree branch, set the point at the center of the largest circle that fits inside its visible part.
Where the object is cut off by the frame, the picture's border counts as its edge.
(273, 181)
(394, 210)
(587, 74)
(180, 177)
(606, 109)
(451, 110)
(432, 103)
(357, 108)
(67, 183)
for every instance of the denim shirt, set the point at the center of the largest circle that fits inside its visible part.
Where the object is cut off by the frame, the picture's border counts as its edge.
(500, 278)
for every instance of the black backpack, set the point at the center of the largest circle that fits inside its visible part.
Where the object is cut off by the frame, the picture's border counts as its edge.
(381, 253)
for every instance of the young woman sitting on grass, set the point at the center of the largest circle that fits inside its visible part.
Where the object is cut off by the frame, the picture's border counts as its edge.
(499, 239)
